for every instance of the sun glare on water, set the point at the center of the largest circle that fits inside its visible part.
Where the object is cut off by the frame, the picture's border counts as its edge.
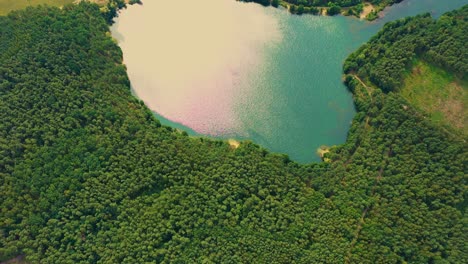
(187, 59)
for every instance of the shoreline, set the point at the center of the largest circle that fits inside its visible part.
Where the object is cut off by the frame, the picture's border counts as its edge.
(364, 11)
(367, 9)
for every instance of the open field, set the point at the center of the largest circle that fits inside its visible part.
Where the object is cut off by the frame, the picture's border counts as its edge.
(438, 93)
(8, 5)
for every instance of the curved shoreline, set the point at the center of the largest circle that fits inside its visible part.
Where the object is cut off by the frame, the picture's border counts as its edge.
(365, 10)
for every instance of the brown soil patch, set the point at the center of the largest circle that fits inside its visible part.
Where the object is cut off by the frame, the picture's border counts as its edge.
(453, 108)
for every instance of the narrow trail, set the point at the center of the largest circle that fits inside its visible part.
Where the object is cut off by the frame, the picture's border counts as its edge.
(368, 89)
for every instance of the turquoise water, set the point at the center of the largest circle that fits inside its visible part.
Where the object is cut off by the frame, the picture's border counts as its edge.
(311, 106)
(297, 101)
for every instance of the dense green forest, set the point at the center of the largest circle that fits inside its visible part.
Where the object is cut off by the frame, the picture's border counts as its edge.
(87, 174)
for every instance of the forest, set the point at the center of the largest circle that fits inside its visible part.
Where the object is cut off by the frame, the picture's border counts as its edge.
(89, 175)
(386, 58)
(404, 46)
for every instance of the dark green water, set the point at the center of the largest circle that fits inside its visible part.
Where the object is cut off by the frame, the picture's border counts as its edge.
(298, 102)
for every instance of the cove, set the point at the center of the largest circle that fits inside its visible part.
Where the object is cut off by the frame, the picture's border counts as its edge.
(227, 69)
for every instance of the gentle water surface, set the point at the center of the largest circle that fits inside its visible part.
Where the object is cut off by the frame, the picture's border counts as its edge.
(234, 70)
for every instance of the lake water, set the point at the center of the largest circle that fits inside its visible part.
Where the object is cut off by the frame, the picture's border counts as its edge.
(227, 69)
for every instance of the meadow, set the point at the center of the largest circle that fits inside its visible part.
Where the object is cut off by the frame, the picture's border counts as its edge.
(9, 5)
(438, 93)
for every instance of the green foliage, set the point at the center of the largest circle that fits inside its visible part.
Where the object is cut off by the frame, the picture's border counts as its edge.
(334, 10)
(300, 10)
(355, 10)
(87, 174)
(263, 2)
(110, 11)
(293, 9)
(321, 3)
(312, 6)
(373, 15)
(388, 56)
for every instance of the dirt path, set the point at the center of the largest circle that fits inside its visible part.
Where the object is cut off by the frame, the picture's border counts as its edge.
(368, 89)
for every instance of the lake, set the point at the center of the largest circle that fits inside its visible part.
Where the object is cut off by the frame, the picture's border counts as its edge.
(227, 69)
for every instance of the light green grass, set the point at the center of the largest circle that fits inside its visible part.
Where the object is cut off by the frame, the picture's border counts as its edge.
(438, 93)
(9, 5)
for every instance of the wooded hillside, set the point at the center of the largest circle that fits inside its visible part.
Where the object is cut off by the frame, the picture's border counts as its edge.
(87, 174)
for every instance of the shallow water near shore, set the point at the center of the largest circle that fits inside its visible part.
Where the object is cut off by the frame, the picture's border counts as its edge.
(227, 69)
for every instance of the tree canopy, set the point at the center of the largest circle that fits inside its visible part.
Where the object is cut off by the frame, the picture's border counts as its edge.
(87, 174)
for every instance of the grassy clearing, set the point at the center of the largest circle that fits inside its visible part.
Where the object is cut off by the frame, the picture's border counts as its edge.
(439, 94)
(9, 5)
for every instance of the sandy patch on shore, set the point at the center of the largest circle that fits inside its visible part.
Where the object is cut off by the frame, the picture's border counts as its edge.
(368, 8)
(234, 143)
(322, 150)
